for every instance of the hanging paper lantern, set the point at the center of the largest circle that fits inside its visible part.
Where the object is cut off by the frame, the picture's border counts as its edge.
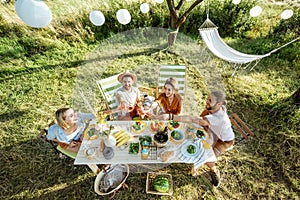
(236, 2)
(97, 18)
(144, 7)
(34, 13)
(159, 1)
(287, 14)
(123, 16)
(255, 11)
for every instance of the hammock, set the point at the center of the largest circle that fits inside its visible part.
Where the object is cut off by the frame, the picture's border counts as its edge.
(210, 35)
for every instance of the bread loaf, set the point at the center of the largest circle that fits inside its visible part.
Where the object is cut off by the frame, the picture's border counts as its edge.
(166, 155)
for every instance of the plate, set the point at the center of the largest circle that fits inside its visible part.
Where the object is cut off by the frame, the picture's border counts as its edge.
(186, 153)
(138, 127)
(90, 153)
(173, 125)
(201, 134)
(90, 133)
(156, 126)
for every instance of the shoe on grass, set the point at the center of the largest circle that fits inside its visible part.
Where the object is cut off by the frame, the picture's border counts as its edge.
(215, 178)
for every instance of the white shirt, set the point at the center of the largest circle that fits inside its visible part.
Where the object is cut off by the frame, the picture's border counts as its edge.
(129, 97)
(220, 125)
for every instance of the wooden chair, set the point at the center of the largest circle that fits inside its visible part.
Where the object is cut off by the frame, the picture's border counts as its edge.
(241, 127)
(109, 87)
(175, 71)
(60, 151)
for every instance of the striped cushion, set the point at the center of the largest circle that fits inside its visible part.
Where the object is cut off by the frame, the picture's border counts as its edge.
(175, 71)
(108, 88)
(66, 152)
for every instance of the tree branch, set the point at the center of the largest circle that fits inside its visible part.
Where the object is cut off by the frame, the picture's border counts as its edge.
(182, 19)
(180, 4)
(171, 6)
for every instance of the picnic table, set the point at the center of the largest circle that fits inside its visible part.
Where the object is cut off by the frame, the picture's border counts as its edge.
(90, 151)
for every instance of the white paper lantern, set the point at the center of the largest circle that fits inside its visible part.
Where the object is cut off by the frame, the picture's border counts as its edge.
(144, 7)
(34, 13)
(287, 14)
(97, 18)
(159, 1)
(255, 11)
(236, 2)
(123, 16)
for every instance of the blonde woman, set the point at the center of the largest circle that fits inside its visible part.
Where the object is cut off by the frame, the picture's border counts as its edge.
(69, 128)
(169, 99)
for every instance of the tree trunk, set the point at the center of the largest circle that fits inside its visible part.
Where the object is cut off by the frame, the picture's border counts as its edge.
(296, 97)
(173, 29)
(175, 20)
(172, 37)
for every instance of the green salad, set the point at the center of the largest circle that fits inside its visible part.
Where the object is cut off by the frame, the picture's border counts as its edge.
(191, 149)
(134, 148)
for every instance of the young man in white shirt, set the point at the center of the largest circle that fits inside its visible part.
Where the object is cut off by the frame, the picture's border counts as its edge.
(216, 121)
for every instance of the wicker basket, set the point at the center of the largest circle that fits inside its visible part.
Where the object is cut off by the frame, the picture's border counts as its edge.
(101, 175)
(149, 183)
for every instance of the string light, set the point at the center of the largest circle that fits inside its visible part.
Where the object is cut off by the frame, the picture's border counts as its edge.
(255, 11)
(286, 14)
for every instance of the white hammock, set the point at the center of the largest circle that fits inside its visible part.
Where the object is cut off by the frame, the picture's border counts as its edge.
(210, 35)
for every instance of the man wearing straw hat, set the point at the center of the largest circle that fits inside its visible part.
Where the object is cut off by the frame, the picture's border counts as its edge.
(128, 96)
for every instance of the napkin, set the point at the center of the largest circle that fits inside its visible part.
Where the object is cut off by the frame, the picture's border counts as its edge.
(198, 159)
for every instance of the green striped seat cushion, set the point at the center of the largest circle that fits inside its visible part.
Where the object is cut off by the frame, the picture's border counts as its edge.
(109, 87)
(66, 152)
(175, 71)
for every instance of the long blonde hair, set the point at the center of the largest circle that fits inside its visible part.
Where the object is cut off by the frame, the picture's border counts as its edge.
(60, 116)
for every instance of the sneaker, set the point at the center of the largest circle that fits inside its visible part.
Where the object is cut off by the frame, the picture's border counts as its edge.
(215, 178)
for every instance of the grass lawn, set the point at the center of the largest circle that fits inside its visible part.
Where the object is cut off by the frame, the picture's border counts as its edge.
(39, 75)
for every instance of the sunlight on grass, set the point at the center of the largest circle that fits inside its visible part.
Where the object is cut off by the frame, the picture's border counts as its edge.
(38, 73)
(53, 189)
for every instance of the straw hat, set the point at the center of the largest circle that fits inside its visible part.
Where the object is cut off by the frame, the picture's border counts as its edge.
(127, 73)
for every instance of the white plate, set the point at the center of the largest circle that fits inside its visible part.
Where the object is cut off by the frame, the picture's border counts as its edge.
(186, 153)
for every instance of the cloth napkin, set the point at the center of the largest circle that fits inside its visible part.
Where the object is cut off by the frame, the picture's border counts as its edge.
(198, 159)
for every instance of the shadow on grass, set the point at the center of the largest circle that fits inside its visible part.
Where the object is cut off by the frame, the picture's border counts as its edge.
(31, 169)
(11, 115)
(7, 75)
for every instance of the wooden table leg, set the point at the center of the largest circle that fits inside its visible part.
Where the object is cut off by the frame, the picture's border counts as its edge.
(94, 168)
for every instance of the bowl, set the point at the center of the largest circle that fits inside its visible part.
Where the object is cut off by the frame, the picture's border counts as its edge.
(177, 136)
(161, 139)
(138, 127)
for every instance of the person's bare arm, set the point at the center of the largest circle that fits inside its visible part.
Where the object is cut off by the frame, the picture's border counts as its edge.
(191, 119)
(184, 118)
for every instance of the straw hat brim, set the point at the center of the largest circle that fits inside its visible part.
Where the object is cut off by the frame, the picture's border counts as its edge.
(133, 76)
